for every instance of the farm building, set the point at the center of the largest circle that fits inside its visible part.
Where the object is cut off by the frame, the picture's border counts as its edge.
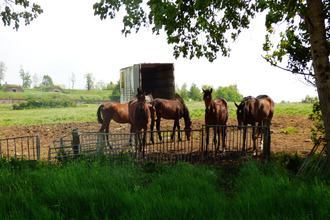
(11, 88)
(154, 78)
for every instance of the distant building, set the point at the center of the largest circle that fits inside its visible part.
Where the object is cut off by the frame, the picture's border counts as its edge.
(12, 88)
(56, 89)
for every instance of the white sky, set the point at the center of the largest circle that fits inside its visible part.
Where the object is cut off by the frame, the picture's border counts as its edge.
(67, 38)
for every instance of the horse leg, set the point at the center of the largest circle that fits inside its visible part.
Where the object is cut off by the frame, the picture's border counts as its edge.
(176, 125)
(207, 129)
(152, 129)
(106, 125)
(254, 138)
(244, 138)
(223, 136)
(144, 141)
(158, 128)
(215, 134)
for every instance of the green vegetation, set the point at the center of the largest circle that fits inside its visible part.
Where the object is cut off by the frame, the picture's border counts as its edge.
(103, 190)
(81, 113)
(43, 103)
(289, 130)
(72, 94)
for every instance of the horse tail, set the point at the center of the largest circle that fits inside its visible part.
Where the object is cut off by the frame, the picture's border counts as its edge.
(224, 101)
(272, 109)
(99, 117)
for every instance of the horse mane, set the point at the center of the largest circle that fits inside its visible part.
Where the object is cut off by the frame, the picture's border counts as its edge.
(185, 108)
(262, 96)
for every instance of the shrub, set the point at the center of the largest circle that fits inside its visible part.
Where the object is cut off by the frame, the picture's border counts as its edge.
(44, 103)
(318, 130)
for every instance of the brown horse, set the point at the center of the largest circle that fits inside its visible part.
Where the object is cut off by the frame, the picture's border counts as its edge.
(112, 111)
(139, 114)
(254, 111)
(117, 112)
(216, 113)
(172, 110)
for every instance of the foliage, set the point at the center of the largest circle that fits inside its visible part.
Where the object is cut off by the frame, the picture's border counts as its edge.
(14, 11)
(115, 96)
(43, 103)
(195, 93)
(47, 81)
(318, 130)
(294, 42)
(197, 28)
(3, 69)
(89, 81)
(183, 92)
(26, 78)
(230, 93)
(310, 100)
(100, 189)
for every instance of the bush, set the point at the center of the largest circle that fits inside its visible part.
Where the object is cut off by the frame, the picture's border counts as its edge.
(44, 103)
(318, 130)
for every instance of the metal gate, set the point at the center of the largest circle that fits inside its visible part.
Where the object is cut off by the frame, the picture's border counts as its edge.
(27, 148)
(171, 149)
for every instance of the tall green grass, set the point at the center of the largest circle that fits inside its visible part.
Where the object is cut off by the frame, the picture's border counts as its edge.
(99, 190)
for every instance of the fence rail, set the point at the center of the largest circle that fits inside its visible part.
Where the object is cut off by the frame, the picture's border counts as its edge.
(96, 144)
(195, 149)
(27, 147)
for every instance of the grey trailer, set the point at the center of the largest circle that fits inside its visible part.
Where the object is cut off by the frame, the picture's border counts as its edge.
(154, 78)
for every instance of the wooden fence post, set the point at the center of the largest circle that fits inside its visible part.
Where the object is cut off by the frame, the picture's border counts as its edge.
(75, 140)
(267, 140)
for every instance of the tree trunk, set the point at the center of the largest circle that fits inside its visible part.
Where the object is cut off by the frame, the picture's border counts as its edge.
(315, 22)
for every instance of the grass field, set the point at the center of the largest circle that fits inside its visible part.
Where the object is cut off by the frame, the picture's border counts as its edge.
(87, 113)
(100, 190)
(73, 94)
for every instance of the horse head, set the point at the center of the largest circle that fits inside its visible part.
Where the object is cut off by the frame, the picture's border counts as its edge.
(240, 113)
(141, 99)
(187, 129)
(245, 111)
(207, 97)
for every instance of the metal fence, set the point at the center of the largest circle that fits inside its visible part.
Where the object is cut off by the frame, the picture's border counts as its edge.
(93, 145)
(27, 147)
(197, 149)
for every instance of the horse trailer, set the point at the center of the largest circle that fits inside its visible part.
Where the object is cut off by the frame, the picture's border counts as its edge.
(154, 78)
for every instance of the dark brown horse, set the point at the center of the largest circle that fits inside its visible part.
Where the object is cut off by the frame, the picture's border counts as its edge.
(172, 110)
(216, 113)
(254, 111)
(139, 114)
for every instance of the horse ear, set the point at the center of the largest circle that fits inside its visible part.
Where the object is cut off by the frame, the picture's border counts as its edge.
(236, 104)
(211, 90)
(203, 90)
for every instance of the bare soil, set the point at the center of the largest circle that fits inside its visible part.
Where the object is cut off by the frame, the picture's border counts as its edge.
(297, 142)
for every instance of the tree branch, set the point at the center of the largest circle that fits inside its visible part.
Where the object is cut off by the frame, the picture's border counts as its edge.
(306, 75)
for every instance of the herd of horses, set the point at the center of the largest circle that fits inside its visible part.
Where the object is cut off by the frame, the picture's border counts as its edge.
(143, 110)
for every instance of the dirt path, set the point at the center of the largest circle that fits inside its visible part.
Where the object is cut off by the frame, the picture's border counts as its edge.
(299, 141)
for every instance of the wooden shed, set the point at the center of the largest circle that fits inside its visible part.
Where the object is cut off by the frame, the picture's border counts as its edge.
(154, 78)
